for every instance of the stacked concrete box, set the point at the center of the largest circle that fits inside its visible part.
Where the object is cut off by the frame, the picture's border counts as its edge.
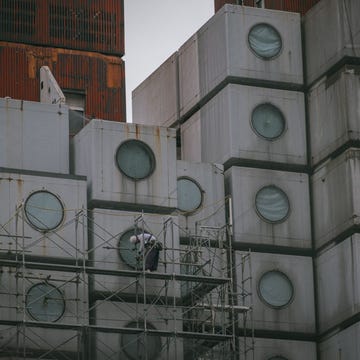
(122, 314)
(61, 299)
(34, 136)
(201, 222)
(284, 349)
(298, 315)
(69, 286)
(95, 149)
(332, 34)
(28, 358)
(333, 112)
(342, 345)
(220, 50)
(108, 252)
(155, 100)
(189, 74)
(243, 184)
(224, 126)
(335, 197)
(22, 218)
(7, 336)
(206, 205)
(36, 342)
(337, 278)
(11, 307)
(203, 260)
(190, 135)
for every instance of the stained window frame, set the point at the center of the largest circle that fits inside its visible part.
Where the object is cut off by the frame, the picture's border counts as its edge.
(133, 231)
(265, 58)
(149, 152)
(284, 218)
(194, 210)
(262, 298)
(283, 118)
(30, 222)
(32, 315)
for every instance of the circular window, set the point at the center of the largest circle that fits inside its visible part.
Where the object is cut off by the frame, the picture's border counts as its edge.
(268, 121)
(129, 252)
(135, 159)
(189, 194)
(44, 302)
(272, 204)
(276, 289)
(44, 210)
(137, 346)
(265, 41)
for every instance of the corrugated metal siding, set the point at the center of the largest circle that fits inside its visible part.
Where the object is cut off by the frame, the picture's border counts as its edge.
(92, 25)
(300, 6)
(100, 77)
(220, 3)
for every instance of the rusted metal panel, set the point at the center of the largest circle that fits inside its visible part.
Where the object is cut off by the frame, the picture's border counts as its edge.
(100, 77)
(15, 80)
(220, 3)
(92, 25)
(300, 6)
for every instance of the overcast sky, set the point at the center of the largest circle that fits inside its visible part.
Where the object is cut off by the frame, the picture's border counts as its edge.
(154, 29)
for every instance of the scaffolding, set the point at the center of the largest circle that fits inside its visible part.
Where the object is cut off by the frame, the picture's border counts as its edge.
(198, 305)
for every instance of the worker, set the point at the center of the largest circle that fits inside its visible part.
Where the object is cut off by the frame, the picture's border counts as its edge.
(149, 249)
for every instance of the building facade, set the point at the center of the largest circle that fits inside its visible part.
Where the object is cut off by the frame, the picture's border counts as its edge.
(244, 167)
(260, 94)
(82, 43)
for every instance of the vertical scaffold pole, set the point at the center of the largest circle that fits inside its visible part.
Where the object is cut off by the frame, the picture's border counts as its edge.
(23, 285)
(85, 255)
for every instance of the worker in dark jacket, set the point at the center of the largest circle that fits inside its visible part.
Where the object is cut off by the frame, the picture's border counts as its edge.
(149, 248)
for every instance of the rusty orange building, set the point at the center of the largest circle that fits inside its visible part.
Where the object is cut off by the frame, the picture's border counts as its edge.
(81, 41)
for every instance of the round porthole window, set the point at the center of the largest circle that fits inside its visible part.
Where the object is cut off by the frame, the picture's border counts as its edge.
(44, 210)
(135, 159)
(45, 302)
(139, 346)
(268, 121)
(272, 204)
(276, 289)
(129, 252)
(265, 41)
(189, 194)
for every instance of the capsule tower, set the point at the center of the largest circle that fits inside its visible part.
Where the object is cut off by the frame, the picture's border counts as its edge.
(271, 96)
(76, 182)
(243, 167)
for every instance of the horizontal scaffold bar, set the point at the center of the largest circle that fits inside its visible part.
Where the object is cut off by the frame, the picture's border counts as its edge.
(108, 329)
(126, 273)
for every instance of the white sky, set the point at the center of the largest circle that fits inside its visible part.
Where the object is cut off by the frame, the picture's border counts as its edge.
(154, 29)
